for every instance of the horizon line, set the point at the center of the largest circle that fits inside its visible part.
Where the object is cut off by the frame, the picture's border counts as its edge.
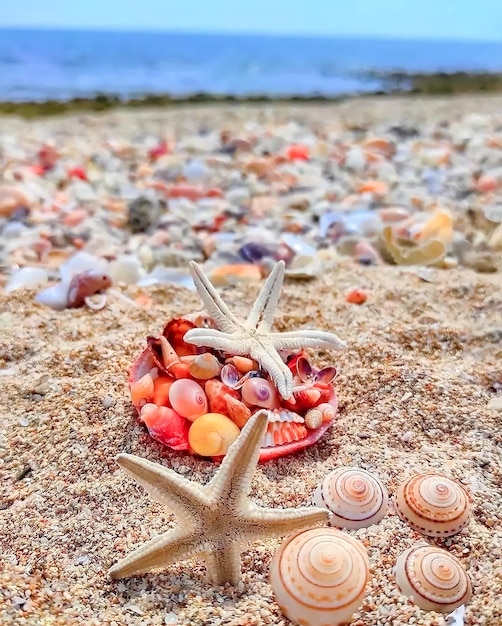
(230, 33)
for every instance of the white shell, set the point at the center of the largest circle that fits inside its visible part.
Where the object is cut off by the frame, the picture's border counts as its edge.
(433, 578)
(356, 498)
(55, 297)
(319, 576)
(433, 505)
(26, 277)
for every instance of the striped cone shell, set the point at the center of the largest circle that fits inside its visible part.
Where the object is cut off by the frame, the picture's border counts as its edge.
(319, 576)
(433, 505)
(356, 498)
(433, 578)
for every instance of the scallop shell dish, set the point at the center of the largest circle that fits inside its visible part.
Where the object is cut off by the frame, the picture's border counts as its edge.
(197, 398)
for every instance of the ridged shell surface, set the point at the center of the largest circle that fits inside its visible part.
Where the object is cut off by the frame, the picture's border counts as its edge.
(433, 505)
(355, 497)
(319, 576)
(433, 578)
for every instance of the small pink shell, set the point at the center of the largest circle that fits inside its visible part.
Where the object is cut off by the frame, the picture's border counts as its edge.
(304, 370)
(328, 411)
(325, 375)
(188, 398)
(260, 392)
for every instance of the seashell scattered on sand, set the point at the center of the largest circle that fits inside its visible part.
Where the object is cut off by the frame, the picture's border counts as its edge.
(304, 267)
(408, 252)
(26, 277)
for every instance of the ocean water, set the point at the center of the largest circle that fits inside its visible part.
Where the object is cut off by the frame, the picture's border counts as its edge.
(42, 64)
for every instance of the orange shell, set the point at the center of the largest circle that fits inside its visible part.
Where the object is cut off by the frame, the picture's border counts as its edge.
(319, 576)
(174, 332)
(161, 386)
(433, 505)
(216, 393)
(356, 296)
(237, 411)
(142, 390)
(433, 578)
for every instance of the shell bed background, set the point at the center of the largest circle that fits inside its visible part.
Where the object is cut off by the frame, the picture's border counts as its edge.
(197, 399)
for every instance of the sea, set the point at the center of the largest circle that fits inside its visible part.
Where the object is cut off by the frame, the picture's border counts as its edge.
(37, 65)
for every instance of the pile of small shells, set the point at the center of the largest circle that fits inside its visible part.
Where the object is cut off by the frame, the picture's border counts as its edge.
(198, 399)
(247, 193)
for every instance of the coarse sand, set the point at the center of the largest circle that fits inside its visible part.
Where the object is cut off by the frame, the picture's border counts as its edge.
(423, 361)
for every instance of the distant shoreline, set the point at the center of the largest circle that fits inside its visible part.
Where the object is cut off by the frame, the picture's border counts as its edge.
(232, 33)
(392, 83)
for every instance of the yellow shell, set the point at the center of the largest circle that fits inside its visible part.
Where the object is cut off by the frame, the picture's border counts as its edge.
(356, 498)
(433, 505)
(319, 576)
(204, 366)
(212, 434)
(433, 578)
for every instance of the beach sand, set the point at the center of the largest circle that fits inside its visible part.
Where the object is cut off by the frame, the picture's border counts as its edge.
(414, 385)
(423, 361)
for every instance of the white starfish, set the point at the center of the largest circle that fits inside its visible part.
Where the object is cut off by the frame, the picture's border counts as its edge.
(253, 337)
(216, 519)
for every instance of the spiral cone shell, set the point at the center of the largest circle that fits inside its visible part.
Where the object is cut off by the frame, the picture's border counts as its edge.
(319, 576)
(433, 505)
(433, 578)
(356, 498)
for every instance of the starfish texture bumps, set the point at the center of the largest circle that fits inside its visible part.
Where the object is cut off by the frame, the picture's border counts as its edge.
(215, 520)
(254, 337)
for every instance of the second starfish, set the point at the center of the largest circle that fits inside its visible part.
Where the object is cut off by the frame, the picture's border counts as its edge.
(215, 520)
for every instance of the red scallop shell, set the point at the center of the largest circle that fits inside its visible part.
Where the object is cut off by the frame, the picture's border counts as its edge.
(174, 332)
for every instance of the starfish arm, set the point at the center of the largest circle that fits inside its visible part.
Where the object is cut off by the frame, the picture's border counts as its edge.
(182, 496)
(271, 361)
(231, 483)
(158, 553)
(262, 523)
(263, 311)
(224, 566)
(297, 339)
(217, 309)
(211, 338)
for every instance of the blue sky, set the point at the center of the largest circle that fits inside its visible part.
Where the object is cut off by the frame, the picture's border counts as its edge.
(443, 19)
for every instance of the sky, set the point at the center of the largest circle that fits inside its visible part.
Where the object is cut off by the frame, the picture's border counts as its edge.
(437, 19)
